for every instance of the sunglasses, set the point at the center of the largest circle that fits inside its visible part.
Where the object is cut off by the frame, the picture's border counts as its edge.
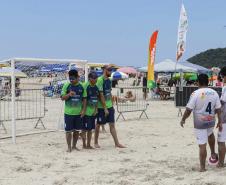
(109, 69)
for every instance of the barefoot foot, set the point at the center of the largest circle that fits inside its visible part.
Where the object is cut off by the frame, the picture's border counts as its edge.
(69, 150)
(202, 170)
(89, 147)
(119, 146)
(220, 165)
(75, 148)
(96, 145)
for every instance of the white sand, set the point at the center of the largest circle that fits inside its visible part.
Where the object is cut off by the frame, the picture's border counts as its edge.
(158, 151)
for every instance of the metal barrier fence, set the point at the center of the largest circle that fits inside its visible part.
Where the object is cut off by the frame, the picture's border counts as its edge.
(182, 97)
(29, 104)
(46, 75)
(130, 99)
(130, 82)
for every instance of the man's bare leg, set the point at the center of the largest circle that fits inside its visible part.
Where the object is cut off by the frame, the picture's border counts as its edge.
(97, 131)
(83, 135)
(89, 137)
(202, 157)
(75, 139)
(211, 141)
(114, 135)
(68, 139)
(221, 151)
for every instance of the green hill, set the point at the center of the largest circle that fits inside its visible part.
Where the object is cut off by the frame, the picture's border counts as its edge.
(210, 58)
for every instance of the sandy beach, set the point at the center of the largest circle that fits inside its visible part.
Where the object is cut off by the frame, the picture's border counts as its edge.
(158, 152)
(134, 62)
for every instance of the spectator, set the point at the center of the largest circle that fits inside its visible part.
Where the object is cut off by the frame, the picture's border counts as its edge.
(145, 87)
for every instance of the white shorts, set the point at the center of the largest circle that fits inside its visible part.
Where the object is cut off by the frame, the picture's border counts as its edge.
(203, 134)
(222, 135)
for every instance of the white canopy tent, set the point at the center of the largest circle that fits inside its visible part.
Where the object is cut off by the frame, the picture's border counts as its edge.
(3, 63)
(6, 72)
(169, 66)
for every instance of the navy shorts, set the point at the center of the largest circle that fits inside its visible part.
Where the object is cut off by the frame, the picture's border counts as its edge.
(101, 119)
(89, 123)
(72, 122)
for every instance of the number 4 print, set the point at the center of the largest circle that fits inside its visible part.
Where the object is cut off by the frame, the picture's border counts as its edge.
(208, 108)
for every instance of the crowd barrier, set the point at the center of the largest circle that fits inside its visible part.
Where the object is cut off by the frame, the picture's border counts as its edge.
(29, 104)
(126, 103)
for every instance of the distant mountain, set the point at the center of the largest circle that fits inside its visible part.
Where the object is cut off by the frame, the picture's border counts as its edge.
(210, 58)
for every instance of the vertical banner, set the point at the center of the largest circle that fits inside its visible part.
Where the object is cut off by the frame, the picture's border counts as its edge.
(151, 60)
(182, 30)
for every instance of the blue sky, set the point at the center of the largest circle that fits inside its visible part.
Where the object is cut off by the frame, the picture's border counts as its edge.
(115, 31)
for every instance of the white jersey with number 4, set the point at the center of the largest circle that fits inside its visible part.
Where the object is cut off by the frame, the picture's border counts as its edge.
(203, 102)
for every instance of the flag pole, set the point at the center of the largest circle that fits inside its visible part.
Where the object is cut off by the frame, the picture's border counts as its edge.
(181, 39)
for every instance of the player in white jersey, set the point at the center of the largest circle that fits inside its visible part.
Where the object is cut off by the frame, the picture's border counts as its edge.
(204, 103)
(222, 134)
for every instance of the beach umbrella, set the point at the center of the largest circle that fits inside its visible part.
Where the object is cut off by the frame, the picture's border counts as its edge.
(118, 75)
(127, 70)
(99, 72)
(6, 72)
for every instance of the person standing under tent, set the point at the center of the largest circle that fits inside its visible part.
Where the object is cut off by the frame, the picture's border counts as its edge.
(222, 134)
(204, 103)
(106, 112)
(75, 103)
(219, 82)
(145, 90)
(92, 95)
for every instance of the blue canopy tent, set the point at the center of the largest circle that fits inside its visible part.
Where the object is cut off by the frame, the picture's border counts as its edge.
(54, 68)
